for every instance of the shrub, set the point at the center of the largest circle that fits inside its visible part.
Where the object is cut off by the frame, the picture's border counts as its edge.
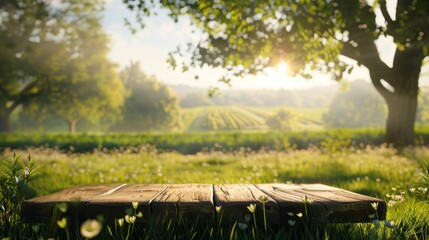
(15, 174)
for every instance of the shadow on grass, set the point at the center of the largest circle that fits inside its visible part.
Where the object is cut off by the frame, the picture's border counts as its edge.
(338, 175)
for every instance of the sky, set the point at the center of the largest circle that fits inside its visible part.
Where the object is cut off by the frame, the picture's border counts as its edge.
(151, 45)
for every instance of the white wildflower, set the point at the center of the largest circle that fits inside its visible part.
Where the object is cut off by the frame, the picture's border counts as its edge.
(130, 219)
(62, 223)
(120, 222)
(218, 209)
(90, 228)
(389, 224)
(252, 208)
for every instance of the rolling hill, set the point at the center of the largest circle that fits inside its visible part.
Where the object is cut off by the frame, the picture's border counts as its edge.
(232, 118)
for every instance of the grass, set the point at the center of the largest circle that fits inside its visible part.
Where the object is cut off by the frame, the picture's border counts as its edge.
(376, 171)
(191, 143)
(371, 170)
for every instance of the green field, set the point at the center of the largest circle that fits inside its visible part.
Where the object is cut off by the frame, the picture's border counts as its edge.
(381, 172)
(226, 118)
(191, 143)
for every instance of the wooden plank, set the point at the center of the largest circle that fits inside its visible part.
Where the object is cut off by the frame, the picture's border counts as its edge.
(329, 204)
(190, 201)
(119, 203)
(234, 199)
(41, 209)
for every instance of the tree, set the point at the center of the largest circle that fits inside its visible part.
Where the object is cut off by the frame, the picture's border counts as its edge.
(89, 87)
(53, 57)
(282, 120)
(247, 36)
(357, 107)
(150, 105)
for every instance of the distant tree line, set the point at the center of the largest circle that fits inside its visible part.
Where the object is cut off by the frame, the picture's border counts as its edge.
(305, 98)
(148, 105)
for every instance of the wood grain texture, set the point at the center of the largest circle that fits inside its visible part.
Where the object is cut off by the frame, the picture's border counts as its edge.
(235, 198)
(324, 204)
(189, 201)
(118, 203)
(284, 202)
(41, 209)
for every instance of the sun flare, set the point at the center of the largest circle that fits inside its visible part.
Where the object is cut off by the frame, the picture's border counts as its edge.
(282, 67)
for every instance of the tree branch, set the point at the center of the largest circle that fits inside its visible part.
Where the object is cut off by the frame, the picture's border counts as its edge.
(376, 81)
(378, 70)
(23, 95)
(386, 15)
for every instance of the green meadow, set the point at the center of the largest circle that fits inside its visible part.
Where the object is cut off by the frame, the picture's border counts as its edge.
(399, 178)
(86, 97)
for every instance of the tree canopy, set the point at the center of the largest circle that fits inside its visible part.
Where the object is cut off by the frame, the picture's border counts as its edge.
(150, 105)
(247, 36)
(281, 120)
(53, 58)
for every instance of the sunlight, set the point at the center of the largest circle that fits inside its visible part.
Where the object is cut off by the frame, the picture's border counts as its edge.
(282, 68)
(280, 76)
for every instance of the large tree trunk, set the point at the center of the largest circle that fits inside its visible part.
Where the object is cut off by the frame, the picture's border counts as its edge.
(402, 101)
(72, 126)
(401, 118)
(402, 76)
(5, 124)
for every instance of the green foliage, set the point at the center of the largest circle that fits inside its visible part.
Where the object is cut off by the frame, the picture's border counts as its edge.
(357, 107)
(246, 37)
(15, 174)
(150, 105)
(413, 220)
(369, 171)
(424, 188)
(186, 142)
(56, 63)
(282, 120)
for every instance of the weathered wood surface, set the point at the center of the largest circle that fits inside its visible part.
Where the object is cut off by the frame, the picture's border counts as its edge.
(41, 208)
(188, 200)
(118, 202)
(323, 204)
(234, 199)
(284, 202)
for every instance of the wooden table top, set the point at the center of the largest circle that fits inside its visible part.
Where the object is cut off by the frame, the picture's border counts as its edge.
(316, 203)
